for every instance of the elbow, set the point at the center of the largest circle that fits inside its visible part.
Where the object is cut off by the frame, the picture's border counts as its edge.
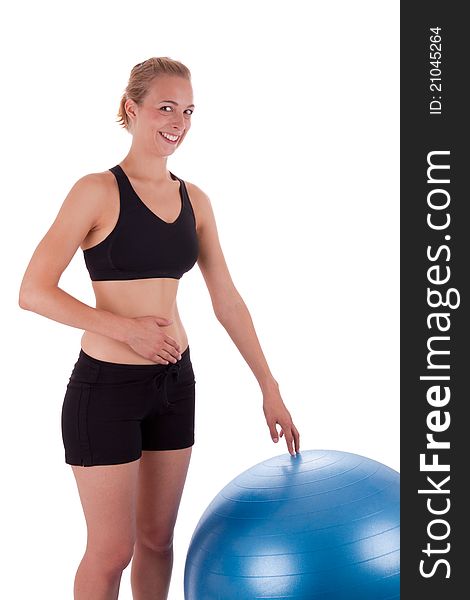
(225, 299)
(32, 294)
(224, 310)
(22, 297)
(23, 304)
(27, 296)
(218, 314)
(24, 300)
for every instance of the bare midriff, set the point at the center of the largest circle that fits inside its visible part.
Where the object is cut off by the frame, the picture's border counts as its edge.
(134, 298)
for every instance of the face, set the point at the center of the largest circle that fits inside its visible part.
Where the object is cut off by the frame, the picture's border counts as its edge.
(166, 109)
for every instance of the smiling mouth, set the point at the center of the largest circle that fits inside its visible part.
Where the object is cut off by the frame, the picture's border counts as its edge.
(168, 137)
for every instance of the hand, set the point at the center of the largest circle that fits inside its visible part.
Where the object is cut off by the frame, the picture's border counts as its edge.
(276, 412)
(146, 337)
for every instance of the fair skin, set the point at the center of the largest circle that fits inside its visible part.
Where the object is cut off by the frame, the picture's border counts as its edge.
(137, 321)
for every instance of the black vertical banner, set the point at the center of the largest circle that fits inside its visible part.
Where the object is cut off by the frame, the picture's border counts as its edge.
(434, 299)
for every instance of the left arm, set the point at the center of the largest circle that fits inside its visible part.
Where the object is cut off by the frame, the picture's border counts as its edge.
(232, 312)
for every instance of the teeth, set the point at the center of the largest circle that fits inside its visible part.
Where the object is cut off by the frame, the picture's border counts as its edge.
(172, 138)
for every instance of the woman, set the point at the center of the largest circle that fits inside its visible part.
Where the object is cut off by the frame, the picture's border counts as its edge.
(129, 405)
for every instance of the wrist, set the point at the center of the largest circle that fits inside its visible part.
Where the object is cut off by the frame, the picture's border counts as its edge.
(123, 329)
(268, 384)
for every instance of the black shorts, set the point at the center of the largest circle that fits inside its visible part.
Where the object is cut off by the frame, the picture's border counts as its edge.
(113, 411)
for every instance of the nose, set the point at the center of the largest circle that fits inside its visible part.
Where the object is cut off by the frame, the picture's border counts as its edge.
(178, 124)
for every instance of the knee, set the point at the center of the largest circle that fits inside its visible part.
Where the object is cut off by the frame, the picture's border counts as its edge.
(156, 541)
(111, 558)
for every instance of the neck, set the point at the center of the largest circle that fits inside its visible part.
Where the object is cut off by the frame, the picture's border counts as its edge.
(146, 166)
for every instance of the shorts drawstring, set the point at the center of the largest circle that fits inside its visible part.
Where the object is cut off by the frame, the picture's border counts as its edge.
(160, 380)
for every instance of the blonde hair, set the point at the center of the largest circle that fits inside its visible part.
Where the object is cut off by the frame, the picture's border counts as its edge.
(142, 76)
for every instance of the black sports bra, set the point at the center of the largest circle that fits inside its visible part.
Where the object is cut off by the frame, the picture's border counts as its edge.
(142, 245)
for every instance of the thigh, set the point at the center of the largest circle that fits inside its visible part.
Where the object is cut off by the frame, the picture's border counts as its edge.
(101, 414)
(108, 497)
(172, 428)
(159, 489)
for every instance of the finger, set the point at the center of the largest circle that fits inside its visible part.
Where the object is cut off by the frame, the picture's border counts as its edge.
(166, 322)
(290, 440)
(273, 431)
(168, 356)
(159, 360)
(172, 342)
(290, 445)
(175, 354)
(296, 438)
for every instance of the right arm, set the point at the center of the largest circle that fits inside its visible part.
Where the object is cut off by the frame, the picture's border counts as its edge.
(40, 292)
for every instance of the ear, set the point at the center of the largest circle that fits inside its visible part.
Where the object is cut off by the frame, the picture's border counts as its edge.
(131, 108)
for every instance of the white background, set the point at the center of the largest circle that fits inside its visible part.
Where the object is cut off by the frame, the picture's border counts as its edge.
(295, 140)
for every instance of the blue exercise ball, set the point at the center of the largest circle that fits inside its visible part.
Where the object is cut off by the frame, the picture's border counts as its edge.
(321, 525)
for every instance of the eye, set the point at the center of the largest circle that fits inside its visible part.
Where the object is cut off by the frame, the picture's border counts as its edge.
(168, 106)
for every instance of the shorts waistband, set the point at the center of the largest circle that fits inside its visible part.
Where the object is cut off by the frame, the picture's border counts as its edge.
(83, 356)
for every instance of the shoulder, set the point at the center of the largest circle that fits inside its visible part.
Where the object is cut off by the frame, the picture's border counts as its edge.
(91, 196)
(200, 200)
(201, 204)
(98, 183)
(196, 193)
(92, 187)
(96, 189)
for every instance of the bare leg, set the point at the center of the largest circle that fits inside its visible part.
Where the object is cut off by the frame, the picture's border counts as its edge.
(108, 496)
(159, 490)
